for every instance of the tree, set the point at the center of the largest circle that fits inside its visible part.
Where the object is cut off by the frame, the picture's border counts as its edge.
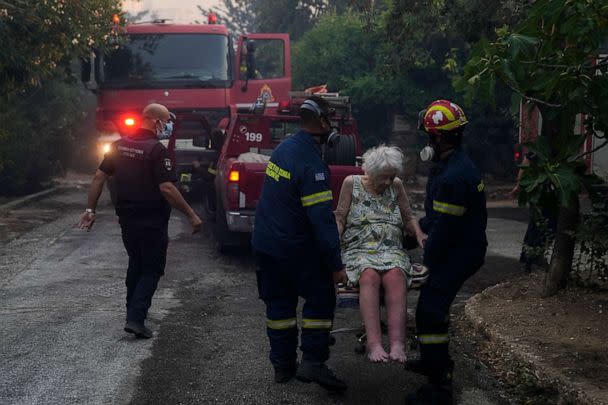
(295, 17)
(550, 60)
(40, 38)
(39, 108)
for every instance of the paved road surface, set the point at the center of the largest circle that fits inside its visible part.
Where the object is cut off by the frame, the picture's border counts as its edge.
(62, 312)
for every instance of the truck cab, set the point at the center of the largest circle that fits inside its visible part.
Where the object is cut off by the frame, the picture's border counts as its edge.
(192, 69)
(252, 135)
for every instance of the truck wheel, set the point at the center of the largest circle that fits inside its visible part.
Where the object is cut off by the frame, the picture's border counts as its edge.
(344, 153)
(209, 202)
(222, 233)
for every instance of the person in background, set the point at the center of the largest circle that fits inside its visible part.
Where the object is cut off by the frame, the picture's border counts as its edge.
(144, 177)
(541, 227)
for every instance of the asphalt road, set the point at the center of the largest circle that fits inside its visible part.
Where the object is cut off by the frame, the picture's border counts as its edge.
(62, 313)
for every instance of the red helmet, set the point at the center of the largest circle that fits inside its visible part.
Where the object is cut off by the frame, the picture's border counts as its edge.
(443, 116)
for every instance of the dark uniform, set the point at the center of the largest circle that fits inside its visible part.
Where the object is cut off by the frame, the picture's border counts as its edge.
(455, 222)
(139, 164)
(297, 246)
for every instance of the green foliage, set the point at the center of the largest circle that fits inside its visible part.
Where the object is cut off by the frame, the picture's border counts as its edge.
(295, 17)
(591, 265)
(343, 52)
(40, 135)
(40, 39)
(550, 60)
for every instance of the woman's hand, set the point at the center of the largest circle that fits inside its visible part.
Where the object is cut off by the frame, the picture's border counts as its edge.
(421, 237)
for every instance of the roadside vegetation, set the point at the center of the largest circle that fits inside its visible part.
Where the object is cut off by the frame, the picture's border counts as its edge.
(41, 98)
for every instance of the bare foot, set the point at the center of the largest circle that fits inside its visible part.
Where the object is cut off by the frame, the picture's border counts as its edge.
(398, 353)
(376, 354)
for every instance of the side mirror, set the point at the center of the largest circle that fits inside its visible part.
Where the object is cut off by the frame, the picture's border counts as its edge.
(200, 141)
(216, 139)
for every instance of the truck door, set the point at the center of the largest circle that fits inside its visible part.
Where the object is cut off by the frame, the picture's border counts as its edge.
(263, 64)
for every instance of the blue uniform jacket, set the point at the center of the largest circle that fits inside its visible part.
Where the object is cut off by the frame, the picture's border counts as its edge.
(456, 215)
(294, 217)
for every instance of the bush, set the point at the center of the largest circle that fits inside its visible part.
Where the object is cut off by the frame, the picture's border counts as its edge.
(38, 135)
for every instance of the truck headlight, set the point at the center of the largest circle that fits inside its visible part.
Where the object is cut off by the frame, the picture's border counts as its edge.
(105, 148)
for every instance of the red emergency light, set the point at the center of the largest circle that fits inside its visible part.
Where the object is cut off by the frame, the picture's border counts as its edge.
(284, 106)
(129, 121)
(517, 156)
(212, 18)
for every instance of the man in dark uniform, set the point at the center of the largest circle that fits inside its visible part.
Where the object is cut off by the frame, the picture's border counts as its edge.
(144, 177)
(455, 223)
(297, 247)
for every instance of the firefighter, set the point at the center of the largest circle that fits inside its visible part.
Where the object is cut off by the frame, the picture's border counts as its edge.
(144, 177)
(297, 248)
(455, 222)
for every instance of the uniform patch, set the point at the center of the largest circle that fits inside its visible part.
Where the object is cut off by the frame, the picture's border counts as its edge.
(319, 176)
(168, 164)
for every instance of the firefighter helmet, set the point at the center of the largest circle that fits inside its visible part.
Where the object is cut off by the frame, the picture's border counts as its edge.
(443, 116)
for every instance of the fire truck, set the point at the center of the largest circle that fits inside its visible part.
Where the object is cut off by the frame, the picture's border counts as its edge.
(252, 134)
(196, 71)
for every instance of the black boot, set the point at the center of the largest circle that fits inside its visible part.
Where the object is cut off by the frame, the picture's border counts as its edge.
(138, 329)
(312, 371)
(431, 394)
(438, 391)
(416, 366)
(282, 375)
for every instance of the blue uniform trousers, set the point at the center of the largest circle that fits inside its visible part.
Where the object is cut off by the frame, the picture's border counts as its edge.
(433, 310)
(280, 283)
(147, 249)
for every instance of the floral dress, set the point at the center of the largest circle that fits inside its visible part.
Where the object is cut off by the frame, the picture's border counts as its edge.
(373, 235)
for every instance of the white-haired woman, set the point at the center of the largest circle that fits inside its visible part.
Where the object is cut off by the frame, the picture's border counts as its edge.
(372, 214)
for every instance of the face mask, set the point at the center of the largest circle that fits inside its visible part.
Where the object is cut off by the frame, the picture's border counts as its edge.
(166, 132)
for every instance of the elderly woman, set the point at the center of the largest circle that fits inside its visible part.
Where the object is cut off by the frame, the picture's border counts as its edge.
(372, 214)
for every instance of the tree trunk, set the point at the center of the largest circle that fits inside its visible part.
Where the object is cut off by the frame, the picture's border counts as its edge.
(563, 250)
(556, 122)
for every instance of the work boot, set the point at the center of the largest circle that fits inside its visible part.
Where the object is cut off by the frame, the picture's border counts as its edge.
(431, 394)
(314, 371)
(283, 375)
(138, 329)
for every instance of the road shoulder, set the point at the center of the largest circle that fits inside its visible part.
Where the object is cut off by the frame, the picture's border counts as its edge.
(555, 345)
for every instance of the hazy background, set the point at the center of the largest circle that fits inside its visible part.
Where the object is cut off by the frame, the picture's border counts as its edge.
(179, 11)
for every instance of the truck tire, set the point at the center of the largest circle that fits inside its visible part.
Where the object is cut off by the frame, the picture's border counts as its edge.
(209, 201)
(221, 231)
(344, 153)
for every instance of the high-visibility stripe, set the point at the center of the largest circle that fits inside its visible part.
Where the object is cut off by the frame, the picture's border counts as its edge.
(433, 339)
(212, 171)
(281, 324)
(481, 187)
(445, 208)
(443, 109)
(316, 198)
(316, 323)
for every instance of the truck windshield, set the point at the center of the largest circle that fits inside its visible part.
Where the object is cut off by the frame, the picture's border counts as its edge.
(168, 60)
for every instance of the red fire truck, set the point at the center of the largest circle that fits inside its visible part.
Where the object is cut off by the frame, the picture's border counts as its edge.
(252, 135)
(196, 71)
